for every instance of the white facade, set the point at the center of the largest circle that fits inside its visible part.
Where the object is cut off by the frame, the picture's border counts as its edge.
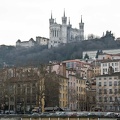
(32, 42)
(105, 64)
(64, 33)
(25, 44)
(92, 54)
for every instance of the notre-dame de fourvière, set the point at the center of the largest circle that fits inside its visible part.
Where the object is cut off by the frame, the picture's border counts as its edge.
(64, 33)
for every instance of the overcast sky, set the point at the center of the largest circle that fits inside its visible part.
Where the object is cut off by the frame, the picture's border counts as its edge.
(25, 19)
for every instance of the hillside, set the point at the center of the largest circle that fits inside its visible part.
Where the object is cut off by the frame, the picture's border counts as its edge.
(12, 56)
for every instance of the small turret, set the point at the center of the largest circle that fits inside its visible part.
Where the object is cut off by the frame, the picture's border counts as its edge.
(69, 23)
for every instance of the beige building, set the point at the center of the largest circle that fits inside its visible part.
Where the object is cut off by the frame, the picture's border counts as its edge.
(72, 92)
(63, 94)
(96, 70)
(81, 94)
(103, 56)
(42, 40)
(22, 89)
(96, 67)
(63, 90)
(108, 91)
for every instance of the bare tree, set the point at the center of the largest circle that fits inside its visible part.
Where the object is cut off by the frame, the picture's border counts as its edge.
(51, 90)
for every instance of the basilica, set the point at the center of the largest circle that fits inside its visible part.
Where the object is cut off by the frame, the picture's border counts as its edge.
(60, 34)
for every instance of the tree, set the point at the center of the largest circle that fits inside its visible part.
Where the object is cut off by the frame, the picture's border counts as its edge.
(86, 56)
(51, 90)
(98, 53)
(72, 97)
(91, 36)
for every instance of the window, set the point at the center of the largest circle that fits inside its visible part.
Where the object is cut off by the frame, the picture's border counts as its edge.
(116, 69)
(105, 84)
(115, 83)
(116, 99)
(110, 99)
(105, 91)
(115, 91)
(116, 64)
(100, 91)
(112, 64)
(100, 99)
(18, 85)
(104, 78)
(105, 99)
(104, 64)
(116, 108)
(110, 91)
(99, 78)
(105, 107)
(93, 98)
(11, 99)
(77, 88)
(118, 82)
(110, 107)
(33, 84)
(99, 83)
(110, 83)
(110, 78)
(104, 70)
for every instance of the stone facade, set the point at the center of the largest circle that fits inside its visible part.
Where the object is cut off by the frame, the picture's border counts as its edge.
(32, 42)
(64, 33)
(42, 40)
(25, 44)
(107, 92)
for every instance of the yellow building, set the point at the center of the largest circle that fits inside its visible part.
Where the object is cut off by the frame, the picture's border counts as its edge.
(63, 95)
(81, 94)
(96, 70)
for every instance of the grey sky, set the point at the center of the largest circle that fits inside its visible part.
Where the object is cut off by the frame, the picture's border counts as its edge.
(25, 19)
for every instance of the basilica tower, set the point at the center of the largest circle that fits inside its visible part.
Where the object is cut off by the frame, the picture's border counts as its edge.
(64, 19)
(51, 20)
(64, 29)
(81, 27)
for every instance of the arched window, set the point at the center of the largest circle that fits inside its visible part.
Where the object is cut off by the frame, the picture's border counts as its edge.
(55, 33)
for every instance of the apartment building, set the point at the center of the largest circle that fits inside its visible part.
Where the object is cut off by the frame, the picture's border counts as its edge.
(81, 94)
(63, 92)
(114, 63)
(103, 56)
(108, 91)
(72, 92)
(22, 89)
(96, 67)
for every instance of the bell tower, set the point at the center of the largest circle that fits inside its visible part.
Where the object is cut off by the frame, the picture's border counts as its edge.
(81, 27)
(51, 20)
(64, 19)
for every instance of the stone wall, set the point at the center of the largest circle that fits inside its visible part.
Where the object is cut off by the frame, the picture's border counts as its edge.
(52, 118)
